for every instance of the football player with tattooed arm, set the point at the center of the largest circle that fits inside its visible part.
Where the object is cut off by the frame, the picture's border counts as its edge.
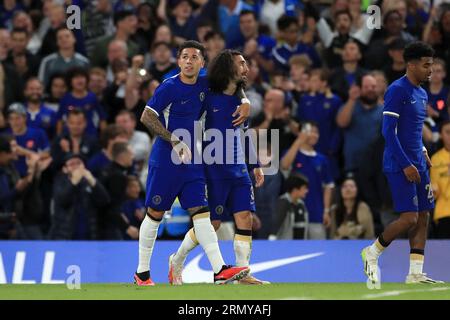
(175, 108)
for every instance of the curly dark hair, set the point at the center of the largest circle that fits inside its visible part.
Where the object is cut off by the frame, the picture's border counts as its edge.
(222, 70)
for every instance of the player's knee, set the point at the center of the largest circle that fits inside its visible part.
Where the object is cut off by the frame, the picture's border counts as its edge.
(244, 220)
(423, 218)
(216, 224)
(154, 214)
(198, 210)
(410, 219)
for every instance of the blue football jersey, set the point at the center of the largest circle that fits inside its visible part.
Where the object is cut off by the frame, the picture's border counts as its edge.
(229, 155)
(178, 106)
(405, 103)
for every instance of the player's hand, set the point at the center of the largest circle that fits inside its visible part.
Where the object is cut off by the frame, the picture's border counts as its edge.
(183, 151)
(427, 159)
(259, 177)
(133, 232)
(244, 112)
(412, 174)
(326, 219)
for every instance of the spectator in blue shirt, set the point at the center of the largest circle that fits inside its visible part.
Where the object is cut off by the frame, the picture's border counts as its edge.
(38, 114)
(321, 106)
(79, 97)
(303, 158)
(255, 45)
(289, 34)
(438, 93)
(182, 21)
(361, 118)
(29, 140)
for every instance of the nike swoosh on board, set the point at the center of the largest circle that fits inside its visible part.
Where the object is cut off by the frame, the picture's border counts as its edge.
(193, 273)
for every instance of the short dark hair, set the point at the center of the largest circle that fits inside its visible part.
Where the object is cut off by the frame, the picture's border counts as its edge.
(63, 28)
(127, 112)
(211, 34)
(119, 148)
(160, 43)
(417, 50)
(5, 144)
(76, 112)
(245, 12)
(122, 15)
(221, 70)
(296, 181)
(285, 21)
(192, 44)
(111, 132)
(76, 72)
(343, 12)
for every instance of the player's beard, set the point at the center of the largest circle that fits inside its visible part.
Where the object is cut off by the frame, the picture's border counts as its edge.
(242, 83)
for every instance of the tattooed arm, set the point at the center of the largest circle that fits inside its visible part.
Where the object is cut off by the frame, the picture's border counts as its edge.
(152, 123)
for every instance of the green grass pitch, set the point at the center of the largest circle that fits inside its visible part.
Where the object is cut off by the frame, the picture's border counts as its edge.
(289, 291)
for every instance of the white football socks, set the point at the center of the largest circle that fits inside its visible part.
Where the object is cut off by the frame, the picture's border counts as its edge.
(416, 263)
(207, 237)
(147, 237)
(189, 243)
(242, 249)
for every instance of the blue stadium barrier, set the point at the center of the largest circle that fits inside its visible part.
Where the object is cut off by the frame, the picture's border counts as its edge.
(275, 261)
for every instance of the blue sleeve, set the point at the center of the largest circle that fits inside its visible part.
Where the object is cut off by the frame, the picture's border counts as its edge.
(160, 99)
(394, 100)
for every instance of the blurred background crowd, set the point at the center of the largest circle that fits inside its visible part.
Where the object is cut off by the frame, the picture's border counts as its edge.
(73, 154)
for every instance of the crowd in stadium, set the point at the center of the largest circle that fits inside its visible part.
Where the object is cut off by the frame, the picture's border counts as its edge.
(73, 153)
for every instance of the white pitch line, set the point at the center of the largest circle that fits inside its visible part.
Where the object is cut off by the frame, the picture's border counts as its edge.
(399, 292)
